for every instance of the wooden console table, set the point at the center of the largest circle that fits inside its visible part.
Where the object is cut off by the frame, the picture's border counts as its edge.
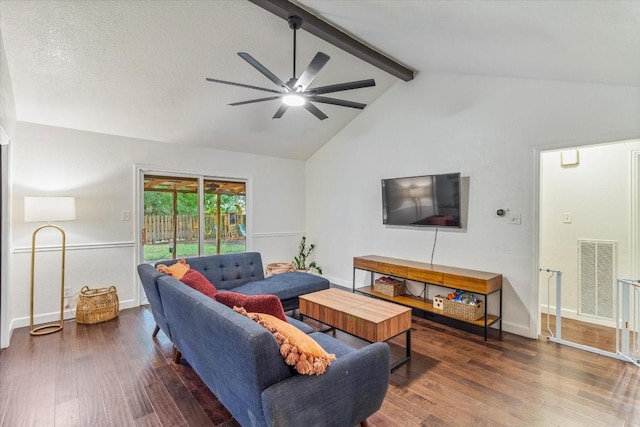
(477, 282)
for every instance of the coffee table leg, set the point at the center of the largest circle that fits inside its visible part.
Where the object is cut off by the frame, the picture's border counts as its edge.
(407, 352)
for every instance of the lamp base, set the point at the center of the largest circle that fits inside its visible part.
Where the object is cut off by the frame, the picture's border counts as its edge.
(46, 329)
(50, 327)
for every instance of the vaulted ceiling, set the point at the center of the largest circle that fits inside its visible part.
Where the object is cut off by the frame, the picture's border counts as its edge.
(138, 68)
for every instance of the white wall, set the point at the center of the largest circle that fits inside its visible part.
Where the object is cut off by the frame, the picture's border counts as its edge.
(99, 171)
(8, 124)
(484, 127)
(597, 193)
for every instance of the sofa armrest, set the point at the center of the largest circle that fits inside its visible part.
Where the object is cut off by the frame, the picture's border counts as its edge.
(351, 390)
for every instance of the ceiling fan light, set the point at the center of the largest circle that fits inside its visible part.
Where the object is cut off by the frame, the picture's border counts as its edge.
(294, 100)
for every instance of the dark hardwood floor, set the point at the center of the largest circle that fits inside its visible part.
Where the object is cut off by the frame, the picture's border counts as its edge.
(115, 374)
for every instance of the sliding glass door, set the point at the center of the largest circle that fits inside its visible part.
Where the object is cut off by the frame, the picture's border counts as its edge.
(191, 216)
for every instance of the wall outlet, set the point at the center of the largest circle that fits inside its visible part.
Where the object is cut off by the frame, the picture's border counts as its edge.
(515, 218)
(126, 215)
(68, 292)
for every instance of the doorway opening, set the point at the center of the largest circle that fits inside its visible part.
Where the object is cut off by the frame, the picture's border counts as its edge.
(588, 216)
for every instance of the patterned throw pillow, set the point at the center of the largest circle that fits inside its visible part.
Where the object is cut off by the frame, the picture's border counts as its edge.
(268, 304)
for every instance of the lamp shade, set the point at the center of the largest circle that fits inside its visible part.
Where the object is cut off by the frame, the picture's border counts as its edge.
(48, 209)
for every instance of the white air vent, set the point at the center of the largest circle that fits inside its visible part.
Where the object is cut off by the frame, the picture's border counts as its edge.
(597, 260)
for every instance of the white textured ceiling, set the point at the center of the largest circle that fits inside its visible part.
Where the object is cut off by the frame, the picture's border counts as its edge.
(138, 68)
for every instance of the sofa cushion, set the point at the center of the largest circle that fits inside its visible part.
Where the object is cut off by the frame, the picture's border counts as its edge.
(228, 270)
(196, 280)
(297, 348)
(285, 286)
(268, 304)
(176, 270)
(301, 325)
(332, 345)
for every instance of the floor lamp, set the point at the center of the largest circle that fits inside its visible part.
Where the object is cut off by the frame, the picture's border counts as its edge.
(48, 209)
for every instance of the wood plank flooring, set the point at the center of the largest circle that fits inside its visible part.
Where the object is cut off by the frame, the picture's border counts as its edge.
(115, 374)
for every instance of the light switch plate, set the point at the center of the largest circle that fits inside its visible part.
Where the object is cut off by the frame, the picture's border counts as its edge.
(515, 218)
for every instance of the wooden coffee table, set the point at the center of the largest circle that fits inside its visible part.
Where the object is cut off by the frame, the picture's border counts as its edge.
(367, 318)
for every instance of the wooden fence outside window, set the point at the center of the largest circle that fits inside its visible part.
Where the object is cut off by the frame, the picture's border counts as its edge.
(159, 228)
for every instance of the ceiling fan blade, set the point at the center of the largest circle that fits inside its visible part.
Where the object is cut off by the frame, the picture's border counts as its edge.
(312, 70)
(335, 101)
(281, 111)
(315, 111)
(258, 66)
(251, 101)
(342, 86)
(243, 85)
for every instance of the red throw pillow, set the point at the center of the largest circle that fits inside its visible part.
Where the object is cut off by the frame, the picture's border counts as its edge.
(196, 280)
(267, 304)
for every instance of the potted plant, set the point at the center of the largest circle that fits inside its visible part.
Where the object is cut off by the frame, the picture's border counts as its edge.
(300, 261)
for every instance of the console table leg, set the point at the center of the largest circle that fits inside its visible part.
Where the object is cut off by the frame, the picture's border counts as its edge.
(485, 316)
(353, 283)
(501, 313)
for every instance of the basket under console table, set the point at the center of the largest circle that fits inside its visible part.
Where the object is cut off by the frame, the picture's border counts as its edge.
(477, 282)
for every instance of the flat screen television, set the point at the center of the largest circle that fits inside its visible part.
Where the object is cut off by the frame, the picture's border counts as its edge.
(422, 201)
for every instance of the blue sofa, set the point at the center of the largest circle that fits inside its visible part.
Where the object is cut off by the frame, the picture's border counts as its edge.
(240, 362)
(241, 272)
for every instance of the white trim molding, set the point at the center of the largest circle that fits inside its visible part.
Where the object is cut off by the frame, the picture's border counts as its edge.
(278, 234)
(75, 247)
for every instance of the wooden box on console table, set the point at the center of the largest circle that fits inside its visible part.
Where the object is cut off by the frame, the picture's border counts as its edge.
(477, 282)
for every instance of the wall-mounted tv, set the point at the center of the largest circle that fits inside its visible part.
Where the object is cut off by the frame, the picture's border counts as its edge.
(422, 201)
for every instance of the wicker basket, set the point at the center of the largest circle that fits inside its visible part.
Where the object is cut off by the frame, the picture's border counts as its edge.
(278, 268)
(390, 287)
(465, 311)
(97, 305)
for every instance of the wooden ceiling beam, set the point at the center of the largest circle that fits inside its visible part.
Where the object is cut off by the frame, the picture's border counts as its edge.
(331, 34)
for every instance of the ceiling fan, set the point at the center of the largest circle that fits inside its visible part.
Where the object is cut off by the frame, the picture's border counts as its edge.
(296, 92)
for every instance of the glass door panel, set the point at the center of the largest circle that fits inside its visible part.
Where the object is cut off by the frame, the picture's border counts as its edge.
(187, 240)
(225, 216)
(171, 213)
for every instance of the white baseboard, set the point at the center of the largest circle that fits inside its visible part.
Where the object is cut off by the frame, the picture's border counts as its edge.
(69, 316)
(515, 329)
